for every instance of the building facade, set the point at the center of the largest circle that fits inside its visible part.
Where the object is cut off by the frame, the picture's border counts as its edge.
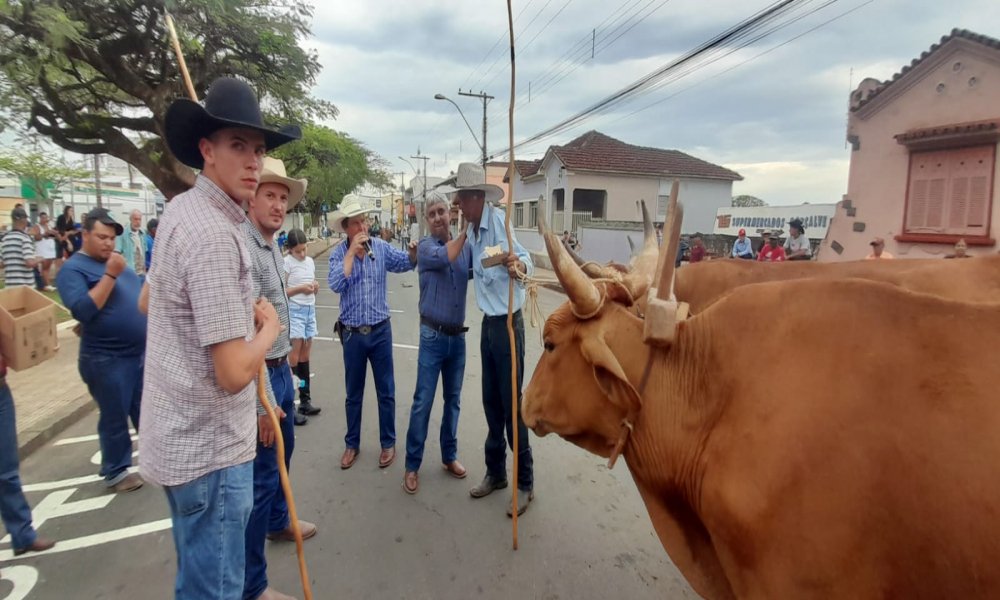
(924, 168)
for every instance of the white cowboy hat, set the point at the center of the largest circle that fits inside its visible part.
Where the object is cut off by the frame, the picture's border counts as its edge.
(349, 207)
(471, 176)
(274, 172)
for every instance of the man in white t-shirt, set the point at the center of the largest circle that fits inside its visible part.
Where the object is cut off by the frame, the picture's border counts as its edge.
(797, 244)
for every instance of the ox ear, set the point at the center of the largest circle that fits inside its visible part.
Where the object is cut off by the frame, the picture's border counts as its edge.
(610, 376)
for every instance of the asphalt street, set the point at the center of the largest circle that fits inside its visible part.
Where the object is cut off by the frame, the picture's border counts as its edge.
(586, 535)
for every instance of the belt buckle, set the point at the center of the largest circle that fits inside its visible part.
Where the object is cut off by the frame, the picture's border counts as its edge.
(364, 330)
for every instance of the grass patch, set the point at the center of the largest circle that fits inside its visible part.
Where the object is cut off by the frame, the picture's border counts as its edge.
(61, 315)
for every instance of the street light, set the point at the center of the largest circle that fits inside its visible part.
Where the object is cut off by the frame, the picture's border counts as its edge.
(485, 98)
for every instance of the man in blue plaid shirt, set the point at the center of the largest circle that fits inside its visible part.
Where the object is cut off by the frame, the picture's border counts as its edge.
(360, 279)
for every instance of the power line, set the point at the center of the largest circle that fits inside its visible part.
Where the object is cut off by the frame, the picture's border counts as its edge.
(517, 37)
(751, 24)
(526, 46)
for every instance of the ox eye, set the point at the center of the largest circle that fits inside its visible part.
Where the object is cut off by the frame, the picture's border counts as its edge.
(549, 346)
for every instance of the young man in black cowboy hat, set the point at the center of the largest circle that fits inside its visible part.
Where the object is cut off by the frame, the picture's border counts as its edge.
(207, 339)
(797, 244)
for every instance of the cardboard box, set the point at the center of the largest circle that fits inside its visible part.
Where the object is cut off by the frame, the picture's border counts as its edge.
(27, 327)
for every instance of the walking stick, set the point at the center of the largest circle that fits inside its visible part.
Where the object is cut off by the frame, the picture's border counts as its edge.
(286, 485)
(510, 293)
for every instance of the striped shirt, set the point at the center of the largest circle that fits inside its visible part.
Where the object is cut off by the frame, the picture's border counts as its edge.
(200, 294)
(443, 285)
(362, 295)
(17, 247)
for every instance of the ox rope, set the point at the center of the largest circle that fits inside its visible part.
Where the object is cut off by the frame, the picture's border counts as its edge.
(261, 381)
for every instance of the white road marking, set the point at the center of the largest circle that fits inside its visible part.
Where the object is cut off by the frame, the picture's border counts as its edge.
(88, 438)
(402, 346)
(62, 483)
(96, 458)
(56, 505)
(93, 540)
(24, 579)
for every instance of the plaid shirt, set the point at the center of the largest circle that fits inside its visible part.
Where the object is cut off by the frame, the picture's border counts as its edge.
(200, 294)
(443, 285)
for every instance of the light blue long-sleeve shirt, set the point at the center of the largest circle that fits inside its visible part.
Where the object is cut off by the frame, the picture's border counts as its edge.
(742, 248)
(492, 284)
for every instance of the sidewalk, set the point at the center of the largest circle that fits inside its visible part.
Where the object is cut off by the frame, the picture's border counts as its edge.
(50, 397)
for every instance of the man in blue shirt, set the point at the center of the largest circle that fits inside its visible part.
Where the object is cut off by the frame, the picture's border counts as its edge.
(358, 270)
(103, 295)
(486, 230)
(445, 267)
(742, 247)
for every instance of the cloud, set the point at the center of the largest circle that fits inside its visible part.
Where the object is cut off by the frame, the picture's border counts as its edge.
(778, 119)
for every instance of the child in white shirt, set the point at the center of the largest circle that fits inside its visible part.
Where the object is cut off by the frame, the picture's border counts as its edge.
(301, 286)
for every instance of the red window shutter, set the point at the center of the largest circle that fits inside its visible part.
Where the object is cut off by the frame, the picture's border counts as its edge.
(959, 202)
(935, 202)
(918, 204)
(928, 191)
(949, 191)
(979, 198)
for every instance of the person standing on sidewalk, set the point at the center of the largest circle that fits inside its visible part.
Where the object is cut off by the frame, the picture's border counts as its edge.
(18, 252)
(486, 229)
(68, 233)
(103, 296)
(45, 248)
(134, 244)
(300, 279)
(445, 266)
(269, 519)
(364, 329)
(14, 509)
(208, 340)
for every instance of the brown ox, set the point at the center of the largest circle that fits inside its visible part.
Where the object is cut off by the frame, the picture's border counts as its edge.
(871, 472)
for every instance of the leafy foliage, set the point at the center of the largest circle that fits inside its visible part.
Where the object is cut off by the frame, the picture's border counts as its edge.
(334, 163)
(98, 77)
(39, 170)
(747, 201)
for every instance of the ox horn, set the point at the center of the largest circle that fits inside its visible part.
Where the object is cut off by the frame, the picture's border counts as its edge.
(640, 276)
(631, 244)
(664, 274)
(584, 297)
(592, 270)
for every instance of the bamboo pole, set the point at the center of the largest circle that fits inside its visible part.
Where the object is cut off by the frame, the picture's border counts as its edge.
(510, 295)
(286, 485)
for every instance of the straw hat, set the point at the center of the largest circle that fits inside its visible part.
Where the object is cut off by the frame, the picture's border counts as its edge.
(274, 172)
(471, 176)
(349, 207)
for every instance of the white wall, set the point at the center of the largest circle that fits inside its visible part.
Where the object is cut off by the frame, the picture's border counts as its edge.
(603, 245)
(702, 199)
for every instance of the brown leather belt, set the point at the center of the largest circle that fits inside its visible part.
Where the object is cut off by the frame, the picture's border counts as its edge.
(276, 362)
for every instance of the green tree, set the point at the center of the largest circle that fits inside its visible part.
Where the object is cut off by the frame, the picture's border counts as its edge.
(747, 201)
(40, 171)
(334, 163)
(98, 77)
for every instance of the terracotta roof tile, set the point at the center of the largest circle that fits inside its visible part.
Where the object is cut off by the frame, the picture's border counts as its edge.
(989, 126)
(594, 151)
(955, 34)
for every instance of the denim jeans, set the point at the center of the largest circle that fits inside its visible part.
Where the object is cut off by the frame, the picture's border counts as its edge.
(115, 382)
(376, 347)
(445, 355)
(14, 509)
(497, 357)
(210, 517)
(267, 488)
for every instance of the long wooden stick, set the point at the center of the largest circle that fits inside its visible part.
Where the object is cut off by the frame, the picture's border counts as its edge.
(514, 391)
(286, 485)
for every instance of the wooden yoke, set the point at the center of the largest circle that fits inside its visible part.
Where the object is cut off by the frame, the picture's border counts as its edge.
(662, 309)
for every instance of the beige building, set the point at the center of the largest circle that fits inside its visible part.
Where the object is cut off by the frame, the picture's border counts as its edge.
(923, 169)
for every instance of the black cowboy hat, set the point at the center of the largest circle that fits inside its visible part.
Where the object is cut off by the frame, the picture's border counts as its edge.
(229, 103)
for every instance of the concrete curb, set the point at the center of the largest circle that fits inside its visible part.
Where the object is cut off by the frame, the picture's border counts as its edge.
(32, 440)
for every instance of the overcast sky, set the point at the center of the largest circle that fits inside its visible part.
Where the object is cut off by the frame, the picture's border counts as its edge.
(778, 120)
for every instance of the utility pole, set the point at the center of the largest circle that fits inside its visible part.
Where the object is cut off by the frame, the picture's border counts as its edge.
(423, 194)
(97, 179)
(486, 100)
(402, 189)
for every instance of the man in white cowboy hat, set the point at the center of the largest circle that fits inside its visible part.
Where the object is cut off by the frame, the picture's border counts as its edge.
(486, 230)
(207, 339)
(276, 194)
(358, 270)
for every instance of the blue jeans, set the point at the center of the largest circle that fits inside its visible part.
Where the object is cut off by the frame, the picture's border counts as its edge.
(270, 511)
(115, 382)
(445, 355)
(210, 517)
(359, 350)
(497, 358)
(14, 509)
